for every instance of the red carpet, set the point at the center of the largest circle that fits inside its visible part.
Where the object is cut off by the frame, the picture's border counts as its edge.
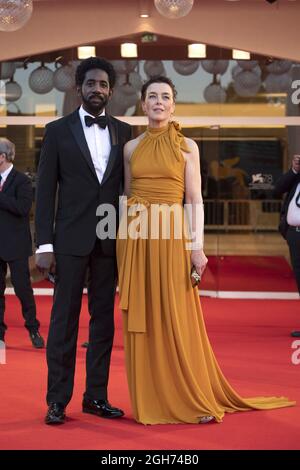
(241, 273)
(251, 341)
(248, 273)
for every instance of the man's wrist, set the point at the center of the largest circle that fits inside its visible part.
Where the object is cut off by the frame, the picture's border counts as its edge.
(195, 246)
(46, 248)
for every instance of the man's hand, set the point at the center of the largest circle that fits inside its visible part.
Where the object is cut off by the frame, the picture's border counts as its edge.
(199, 260)
(296, 163)
(45, 262)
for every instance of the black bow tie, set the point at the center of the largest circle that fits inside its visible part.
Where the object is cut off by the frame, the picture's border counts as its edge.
(101, 121)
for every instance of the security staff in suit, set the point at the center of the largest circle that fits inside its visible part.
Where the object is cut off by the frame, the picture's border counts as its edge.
(290, 216)
(82, 158)
(15, 240)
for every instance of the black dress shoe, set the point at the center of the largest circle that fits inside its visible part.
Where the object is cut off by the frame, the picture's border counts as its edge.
(36, 339)
(56, 414)
(101, 408)
(295, 334)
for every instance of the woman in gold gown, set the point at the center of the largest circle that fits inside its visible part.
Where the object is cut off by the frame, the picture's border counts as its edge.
(172, 372)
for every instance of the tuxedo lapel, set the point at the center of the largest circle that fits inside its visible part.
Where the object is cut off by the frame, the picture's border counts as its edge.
(9, 180)
(76, 128)
(113, 132)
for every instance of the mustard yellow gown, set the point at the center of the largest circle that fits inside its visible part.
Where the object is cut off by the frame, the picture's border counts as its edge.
(173, 375)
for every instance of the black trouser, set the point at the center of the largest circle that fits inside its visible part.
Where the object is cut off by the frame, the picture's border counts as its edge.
(63, 331)
(293, 239)
(20, 279)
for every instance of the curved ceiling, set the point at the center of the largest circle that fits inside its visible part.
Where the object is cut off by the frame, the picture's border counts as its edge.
(252, 25)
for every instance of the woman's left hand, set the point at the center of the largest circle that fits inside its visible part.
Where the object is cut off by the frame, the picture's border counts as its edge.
(199, 260)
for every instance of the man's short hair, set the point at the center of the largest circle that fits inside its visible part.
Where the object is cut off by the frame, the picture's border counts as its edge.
(95, 63)
(7, 148)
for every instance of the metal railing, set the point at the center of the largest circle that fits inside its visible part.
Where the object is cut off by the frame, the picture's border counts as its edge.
(242, 214)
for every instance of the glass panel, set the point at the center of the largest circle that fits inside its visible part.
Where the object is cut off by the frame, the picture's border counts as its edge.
(208, 141)
(252, 255)
(239, 168)
(28, 140)
(205, 87)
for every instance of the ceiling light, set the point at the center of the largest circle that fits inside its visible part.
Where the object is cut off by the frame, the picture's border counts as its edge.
(240, 55)
(196, 51)
(14, 14)
(144, 9)
(129, 49)
(173, 9)
(84, 52)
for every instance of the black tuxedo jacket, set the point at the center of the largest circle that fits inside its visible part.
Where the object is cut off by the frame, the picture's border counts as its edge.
(66, 169)
(15, 205)
(286, 184)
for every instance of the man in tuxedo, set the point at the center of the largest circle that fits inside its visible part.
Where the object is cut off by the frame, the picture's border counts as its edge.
(82, 159)
(15, 240)
(290, 216)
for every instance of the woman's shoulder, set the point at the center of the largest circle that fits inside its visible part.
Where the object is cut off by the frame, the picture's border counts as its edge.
(191, 144)
(131, 145)
(193, 150)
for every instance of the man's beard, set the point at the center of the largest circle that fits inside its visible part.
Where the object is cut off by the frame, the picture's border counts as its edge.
(95, 108)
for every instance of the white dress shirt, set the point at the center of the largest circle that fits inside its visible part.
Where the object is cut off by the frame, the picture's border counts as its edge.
(293, 215)
(98, 141)
(5, 174)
